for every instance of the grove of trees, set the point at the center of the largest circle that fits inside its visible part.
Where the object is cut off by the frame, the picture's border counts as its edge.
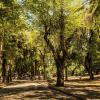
(48, 39)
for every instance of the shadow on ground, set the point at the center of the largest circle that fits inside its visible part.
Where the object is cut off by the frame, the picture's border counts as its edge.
(74, 89)
(31, 92)
(82, 89)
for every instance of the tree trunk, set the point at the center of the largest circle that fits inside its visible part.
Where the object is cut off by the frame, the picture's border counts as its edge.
(73, 71)
(39, 74)
(3, 70)
(36, 69)
(1, 49)
(9, 75)
(88, 66)
(60, 73)
(32, 72)
(91, 74)
(19, 73)
(44, 74)
(66, 73)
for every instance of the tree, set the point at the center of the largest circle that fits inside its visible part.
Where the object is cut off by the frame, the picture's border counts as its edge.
(10, 13)
(52, 22)
(92, 14)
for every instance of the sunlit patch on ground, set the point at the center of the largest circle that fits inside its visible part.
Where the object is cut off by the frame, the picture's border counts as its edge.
(31, 91)
(38, 89)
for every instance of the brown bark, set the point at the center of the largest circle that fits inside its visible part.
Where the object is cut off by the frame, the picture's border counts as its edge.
(66, 73)
(60, 53)
(88, 58)
(88, 66)
(44, 68)
(43, 62)
(9, 75)
(32, 72)
(3, 69)
(36, 69)
(60, 73)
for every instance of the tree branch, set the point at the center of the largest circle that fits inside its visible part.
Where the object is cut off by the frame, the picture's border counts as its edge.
(48, 42)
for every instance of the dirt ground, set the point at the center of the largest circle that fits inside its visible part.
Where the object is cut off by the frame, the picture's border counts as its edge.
(82, 88)
(74, 89)
(28, 90)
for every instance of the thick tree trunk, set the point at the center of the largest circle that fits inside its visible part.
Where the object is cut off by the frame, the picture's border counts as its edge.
(88, 66)
(59, 55)
(60, 76)
(60, 73)
(89, 54)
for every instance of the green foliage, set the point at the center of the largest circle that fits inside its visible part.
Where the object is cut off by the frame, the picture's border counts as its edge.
(23, 25)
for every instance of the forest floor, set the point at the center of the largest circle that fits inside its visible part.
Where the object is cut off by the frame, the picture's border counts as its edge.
(74, 89)
(30, 90)
(81, 88)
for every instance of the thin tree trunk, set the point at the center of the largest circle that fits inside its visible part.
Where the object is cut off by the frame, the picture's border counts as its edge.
(91, 75)
(44, 75)
(39, 74)
(36, 69)
(3, 70)
(66, 73)
(9, 75)
(32, 72)
(73, 71)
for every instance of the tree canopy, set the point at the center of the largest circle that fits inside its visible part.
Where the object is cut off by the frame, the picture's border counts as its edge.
(47, 37)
